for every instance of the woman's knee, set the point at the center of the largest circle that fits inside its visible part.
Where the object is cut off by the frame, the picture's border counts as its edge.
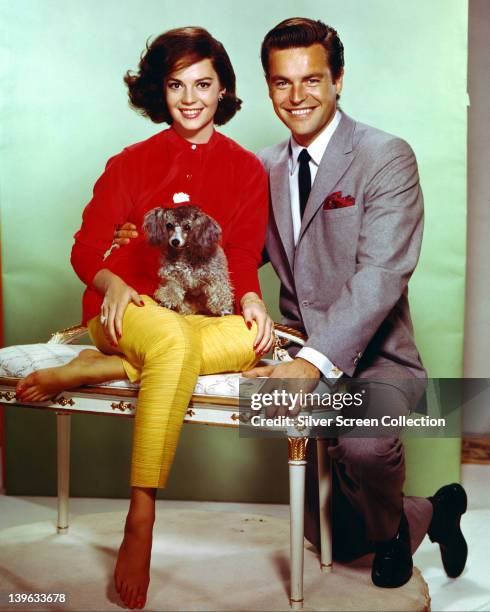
(180, 338)
(151, 331)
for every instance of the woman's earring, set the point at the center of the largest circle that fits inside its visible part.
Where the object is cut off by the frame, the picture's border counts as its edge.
(220, 97)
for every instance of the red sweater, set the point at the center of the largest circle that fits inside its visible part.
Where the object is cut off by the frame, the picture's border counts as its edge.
(225, 180)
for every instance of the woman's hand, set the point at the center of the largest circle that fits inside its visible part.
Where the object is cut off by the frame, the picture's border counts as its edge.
(117, 296)
(253, 309)
(124, 234)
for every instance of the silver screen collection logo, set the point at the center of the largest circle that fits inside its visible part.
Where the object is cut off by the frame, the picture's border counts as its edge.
(282, 400)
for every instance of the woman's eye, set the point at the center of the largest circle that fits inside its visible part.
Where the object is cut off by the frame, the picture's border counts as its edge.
(169, 226)
(173, 85)
(204, 85)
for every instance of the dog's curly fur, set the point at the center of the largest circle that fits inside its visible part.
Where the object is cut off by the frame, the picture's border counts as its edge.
(194, 275)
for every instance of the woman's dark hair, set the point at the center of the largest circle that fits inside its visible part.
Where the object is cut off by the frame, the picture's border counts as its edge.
(303, 32)
(174, 50)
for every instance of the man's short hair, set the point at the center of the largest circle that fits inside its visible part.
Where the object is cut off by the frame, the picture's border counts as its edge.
(303, 32)
(175, 50)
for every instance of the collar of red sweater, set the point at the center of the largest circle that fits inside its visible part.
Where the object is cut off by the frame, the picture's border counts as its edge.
(182, 144)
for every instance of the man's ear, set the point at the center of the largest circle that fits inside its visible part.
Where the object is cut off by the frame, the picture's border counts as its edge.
(269, 87)
(339, 82)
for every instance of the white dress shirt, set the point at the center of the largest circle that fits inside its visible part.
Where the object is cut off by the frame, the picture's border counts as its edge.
(316, 150)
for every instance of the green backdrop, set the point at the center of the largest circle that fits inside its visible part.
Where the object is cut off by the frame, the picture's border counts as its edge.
(65, 112)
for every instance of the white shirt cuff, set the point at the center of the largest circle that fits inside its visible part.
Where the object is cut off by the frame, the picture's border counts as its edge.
(320, 361)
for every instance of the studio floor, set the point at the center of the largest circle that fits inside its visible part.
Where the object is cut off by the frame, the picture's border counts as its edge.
(470, 592)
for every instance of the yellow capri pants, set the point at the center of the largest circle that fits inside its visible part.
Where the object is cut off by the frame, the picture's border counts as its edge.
(165, 352)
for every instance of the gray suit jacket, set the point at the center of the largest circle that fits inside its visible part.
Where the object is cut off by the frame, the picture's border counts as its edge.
(345, 283)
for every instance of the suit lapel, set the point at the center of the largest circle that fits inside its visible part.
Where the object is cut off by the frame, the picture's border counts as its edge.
(335, 161)
(281, 201)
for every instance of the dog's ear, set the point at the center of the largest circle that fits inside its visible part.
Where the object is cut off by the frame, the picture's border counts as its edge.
(206, 234)
(154, 226)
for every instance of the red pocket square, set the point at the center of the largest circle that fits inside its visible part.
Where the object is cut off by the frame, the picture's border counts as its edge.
(337, 200)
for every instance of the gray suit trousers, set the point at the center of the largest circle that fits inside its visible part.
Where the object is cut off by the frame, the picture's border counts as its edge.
(368, 477)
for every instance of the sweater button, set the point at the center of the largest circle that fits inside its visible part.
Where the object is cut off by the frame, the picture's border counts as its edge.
(188, 176)
(194, 147)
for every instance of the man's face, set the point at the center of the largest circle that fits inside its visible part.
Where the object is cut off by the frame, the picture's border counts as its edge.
(302, 91)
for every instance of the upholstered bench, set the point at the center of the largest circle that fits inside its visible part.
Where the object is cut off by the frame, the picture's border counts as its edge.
(215, 402)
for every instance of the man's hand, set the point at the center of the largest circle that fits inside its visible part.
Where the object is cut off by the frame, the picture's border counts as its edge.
(298, 368)
(298, 377)
(124, 234)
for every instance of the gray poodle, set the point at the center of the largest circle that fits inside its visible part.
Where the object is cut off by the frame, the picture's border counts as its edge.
(194, 272)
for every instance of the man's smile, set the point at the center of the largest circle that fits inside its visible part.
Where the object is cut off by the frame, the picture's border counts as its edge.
(300, 112)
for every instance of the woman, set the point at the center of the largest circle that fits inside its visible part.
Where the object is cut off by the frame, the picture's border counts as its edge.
(185, 79)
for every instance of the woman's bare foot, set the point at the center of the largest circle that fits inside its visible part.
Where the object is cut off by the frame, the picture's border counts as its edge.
(89, 367)
(132, 572)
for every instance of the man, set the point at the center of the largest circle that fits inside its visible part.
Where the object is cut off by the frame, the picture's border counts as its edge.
(344, 237)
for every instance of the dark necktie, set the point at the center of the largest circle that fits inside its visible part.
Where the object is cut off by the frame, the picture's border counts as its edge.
(304, 179)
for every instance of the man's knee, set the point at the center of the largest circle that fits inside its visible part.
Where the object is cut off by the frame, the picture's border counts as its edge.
(378, 457)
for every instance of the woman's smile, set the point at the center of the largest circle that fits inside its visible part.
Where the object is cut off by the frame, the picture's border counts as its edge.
(190, 113)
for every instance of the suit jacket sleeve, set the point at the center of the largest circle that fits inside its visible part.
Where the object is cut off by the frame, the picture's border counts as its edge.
(265, 254)
(387, 252)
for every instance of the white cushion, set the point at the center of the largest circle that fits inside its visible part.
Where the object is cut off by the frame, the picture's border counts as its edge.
(19, 361)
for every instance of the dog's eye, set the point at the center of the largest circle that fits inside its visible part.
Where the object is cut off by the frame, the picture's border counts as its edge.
(187, 227)
(169, 226)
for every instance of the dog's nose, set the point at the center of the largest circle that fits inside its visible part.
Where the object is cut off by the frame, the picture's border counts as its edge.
(175, 242)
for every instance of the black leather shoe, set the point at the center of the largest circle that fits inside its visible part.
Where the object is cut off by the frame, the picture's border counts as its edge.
(392, 563)
(449, 505)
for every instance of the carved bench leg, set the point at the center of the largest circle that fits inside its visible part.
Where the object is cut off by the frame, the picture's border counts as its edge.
(324, 495)
(63, 459)
(297, 471)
